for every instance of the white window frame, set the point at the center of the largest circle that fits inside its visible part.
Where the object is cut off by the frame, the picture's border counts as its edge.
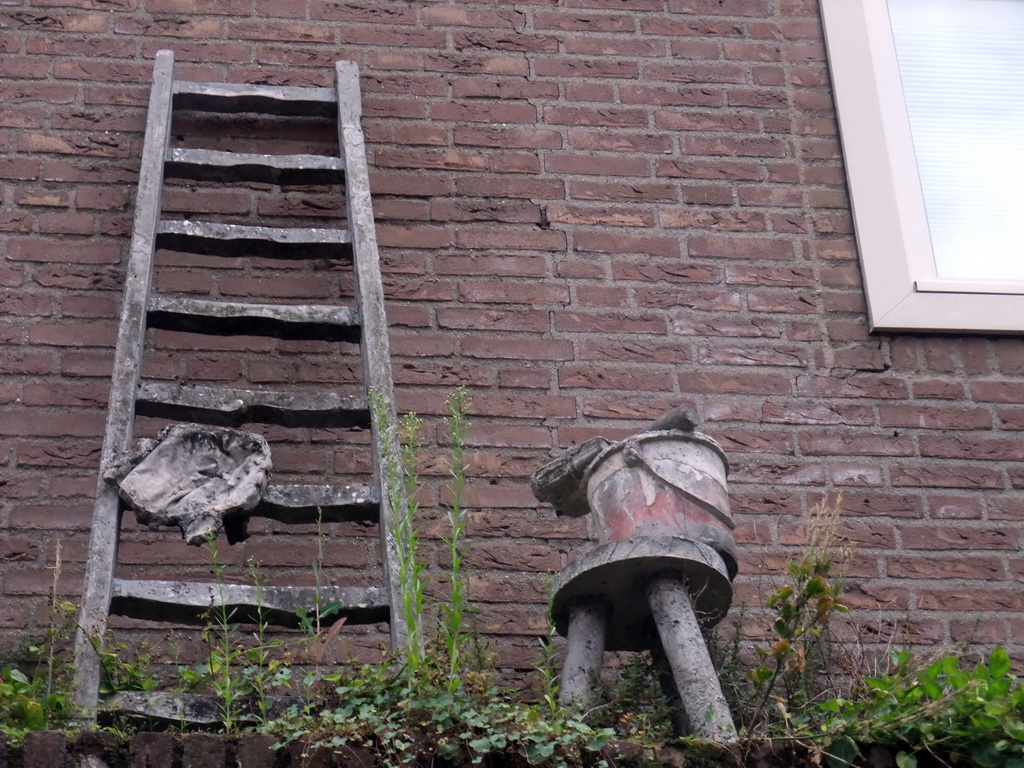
(903, 290)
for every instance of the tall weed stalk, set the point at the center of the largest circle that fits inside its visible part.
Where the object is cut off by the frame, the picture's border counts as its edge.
(223, 652)
(803, 609)
(258, 656)
(454, 612)
(400, 446)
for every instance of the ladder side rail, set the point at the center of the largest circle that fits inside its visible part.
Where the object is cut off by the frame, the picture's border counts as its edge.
(103, 544)
(375, 349)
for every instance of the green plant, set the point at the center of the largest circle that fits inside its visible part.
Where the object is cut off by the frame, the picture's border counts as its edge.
(402, 714)
(437, 702)
(802, 611)
(311, 622)
(546, 665)
(25, 706)
(400, 446)
(944, 708)
(635, 706)
(41, 700)
(454, 611)
(223, 649)
(260, 665)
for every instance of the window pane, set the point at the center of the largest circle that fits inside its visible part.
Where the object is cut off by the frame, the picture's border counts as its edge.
(962, 66)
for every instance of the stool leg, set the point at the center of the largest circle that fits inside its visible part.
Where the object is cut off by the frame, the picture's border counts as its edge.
(588, 622)
(669, 689)
(689, 659)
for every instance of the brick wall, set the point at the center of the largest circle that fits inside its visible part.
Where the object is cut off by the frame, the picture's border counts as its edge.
(590, 211)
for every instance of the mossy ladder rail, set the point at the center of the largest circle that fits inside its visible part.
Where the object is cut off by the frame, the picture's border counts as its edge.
(363, 323)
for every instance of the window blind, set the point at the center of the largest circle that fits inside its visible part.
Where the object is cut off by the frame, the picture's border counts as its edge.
(962, 69)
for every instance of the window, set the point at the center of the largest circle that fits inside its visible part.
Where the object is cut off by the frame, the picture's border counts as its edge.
(931, 112)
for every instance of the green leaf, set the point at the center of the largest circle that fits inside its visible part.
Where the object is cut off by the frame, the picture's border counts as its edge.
(904, 760)
(932, 688)
(842, 753)
(999, 662)
(33, 714)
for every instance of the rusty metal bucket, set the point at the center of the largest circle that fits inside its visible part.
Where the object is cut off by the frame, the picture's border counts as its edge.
(663, 484)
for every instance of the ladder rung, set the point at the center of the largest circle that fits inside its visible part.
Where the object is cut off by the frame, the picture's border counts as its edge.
(231, 318)
(266, 99)
(233, 407)
(214, 239)
(215, 165)
(329, 503)
(187, 602)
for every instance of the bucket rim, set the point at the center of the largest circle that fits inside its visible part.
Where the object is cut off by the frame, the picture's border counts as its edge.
(654, 436)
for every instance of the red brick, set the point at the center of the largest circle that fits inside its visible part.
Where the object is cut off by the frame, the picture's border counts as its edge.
(498, 112)
(612, 378)
(499, 186)
(26, 305)
(477, 64)
(760, 441)
(588, 165)
(505, 435)
(621, 192)
(493, 320)
(608, 45)
(513, 293)
(73, 335)
(614, 242)
(514, 162)
(952, 447)
(946, 537)
(695, 73)
(46, 423)
(575, 67)
(989, 632)
(703, 301)
(692, 325)
(729, 383)
(586, 90)
(512, 238)
(70, 250)
(804, 413)
(709, 169)
(638, 350)
(603, 116)
(68, 393)
(782, 301)
(930, 417)
(695, 96)
(997, 391)
(739, 247)
(601, 296)
(970, 600)
(727, 221)
(782, 356)
(501, 136)
(430, 159)
(558, 213)
(948, 567)
(611, 322)
(854, 385)
(777, 473)
(512, 41)
(946, 475)
(847, 444)
(626, 407)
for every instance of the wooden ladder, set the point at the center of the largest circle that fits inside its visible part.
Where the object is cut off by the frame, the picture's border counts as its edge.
(364, 323)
